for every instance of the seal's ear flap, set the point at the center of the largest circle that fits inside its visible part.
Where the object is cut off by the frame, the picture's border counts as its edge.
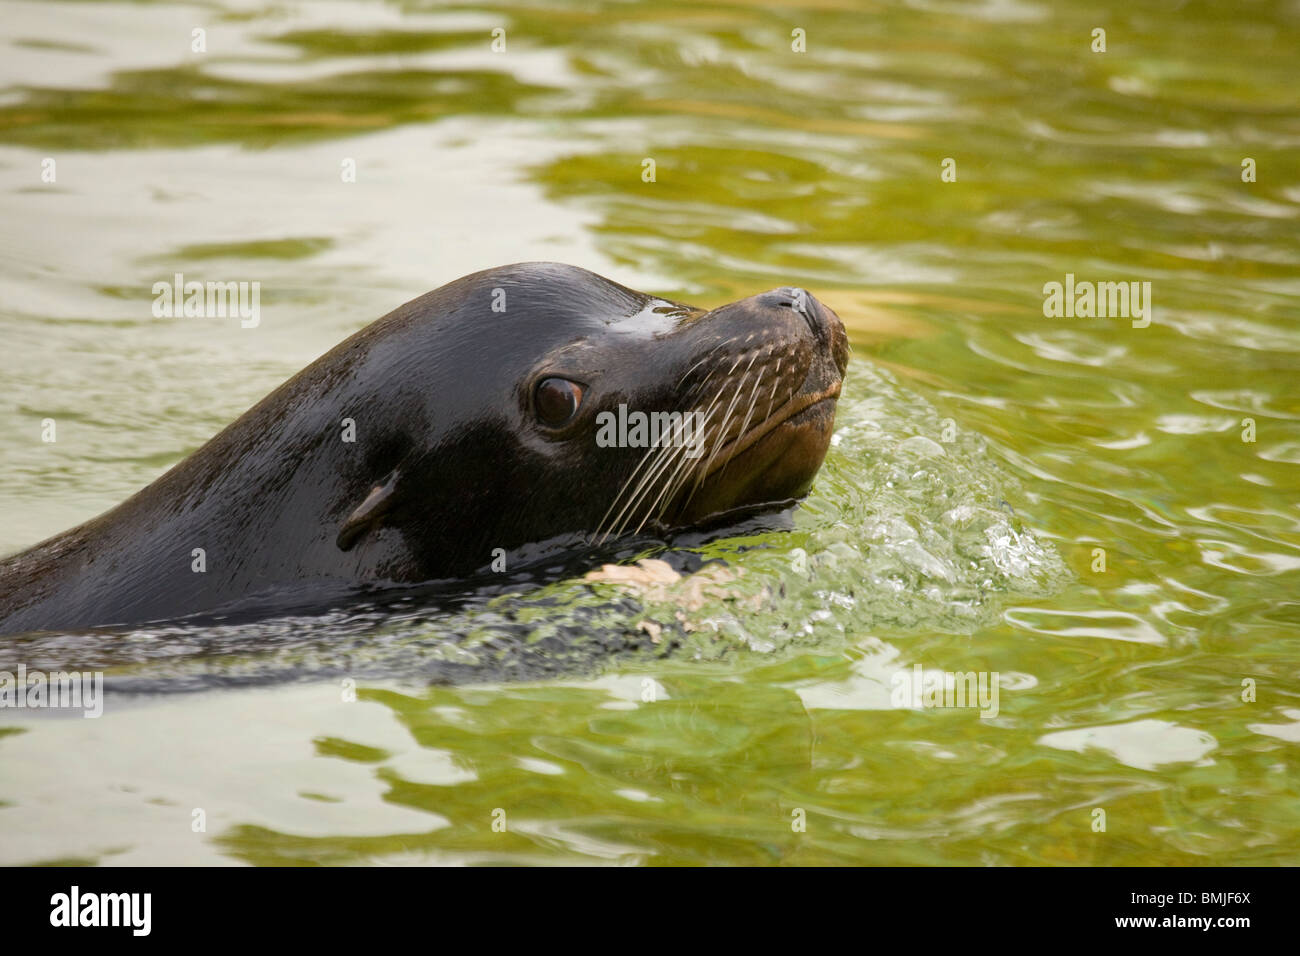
(368, 514)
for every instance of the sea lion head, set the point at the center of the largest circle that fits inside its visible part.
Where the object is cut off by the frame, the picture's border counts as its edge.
(542, 401)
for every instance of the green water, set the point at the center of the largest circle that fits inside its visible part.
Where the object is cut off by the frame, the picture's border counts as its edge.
(1105, 515)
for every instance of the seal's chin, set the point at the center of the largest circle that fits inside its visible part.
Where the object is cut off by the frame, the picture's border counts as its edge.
(771, 463)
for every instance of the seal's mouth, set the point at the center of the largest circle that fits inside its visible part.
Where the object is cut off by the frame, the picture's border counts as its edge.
(785, 415)
(772, 463)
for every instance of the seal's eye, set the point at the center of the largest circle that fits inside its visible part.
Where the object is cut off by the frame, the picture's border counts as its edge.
(557, 401)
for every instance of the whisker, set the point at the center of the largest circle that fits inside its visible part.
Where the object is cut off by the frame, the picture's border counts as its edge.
(719, 439)
(682, 470)
(771, 399)
(677, 458)
(650, 452)
(652, 459)
(642, 489)
(678, 462)
(665, 469)
(753, 397)
(702, 361)
(727, 418)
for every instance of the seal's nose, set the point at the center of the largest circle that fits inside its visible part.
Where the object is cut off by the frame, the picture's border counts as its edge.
(801, 301)
(824, 324)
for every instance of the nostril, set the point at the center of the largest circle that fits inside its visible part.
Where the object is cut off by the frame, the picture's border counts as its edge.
(789, 297)
(803, 302)
(811, 310)
(777, 298)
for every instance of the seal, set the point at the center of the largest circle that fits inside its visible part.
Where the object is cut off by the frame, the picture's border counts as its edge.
(514, 412)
